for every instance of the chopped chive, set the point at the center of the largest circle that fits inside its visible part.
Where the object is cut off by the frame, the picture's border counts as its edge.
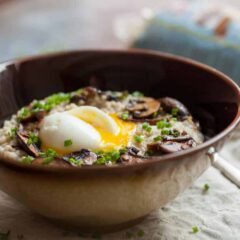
(206, 187)
(174, 119)
(149, 129)
(158, 138)
(122, 150)
(137, 94)
(27, 159)
(32, 139)
(115, 155)
(48, 156)
(145, 125)
(195, 230)
(75, 161)
(155, 114)
(23, 113)
(138, 138)
(175, 133)
(174, 112)
(163, 124)
(165, 132)
(68, 142)
(125, 116)
(168, 125)
(12, 133)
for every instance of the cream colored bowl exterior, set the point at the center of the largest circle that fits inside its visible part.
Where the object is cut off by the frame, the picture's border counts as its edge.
(102, 201)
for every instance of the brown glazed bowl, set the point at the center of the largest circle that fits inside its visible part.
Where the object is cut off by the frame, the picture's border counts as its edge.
(100, 198)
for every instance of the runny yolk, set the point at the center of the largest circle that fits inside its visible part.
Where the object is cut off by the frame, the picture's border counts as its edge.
(111, 141)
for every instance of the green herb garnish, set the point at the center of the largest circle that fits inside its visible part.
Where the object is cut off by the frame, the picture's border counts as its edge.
(206, 187)
(158, 138)
(23, 113)
(68, 142)
(75, 161)
(147, 127)
(27, 159)
(12, 133)
(138, 138)
(175, 133)
(165, 132)
(57, 99)
(48, 156)
(137, 94)
(163, 124)
(125, 116)
(32, 139)
(195, 230)
(174, 112)
(113, 156)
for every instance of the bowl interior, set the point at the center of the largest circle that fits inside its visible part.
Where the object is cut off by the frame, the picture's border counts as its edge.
(211, 96)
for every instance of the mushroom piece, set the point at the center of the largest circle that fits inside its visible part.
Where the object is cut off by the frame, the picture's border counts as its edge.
(55, 162)
(31, 149)
(33, 117)
(84, 95)
(131, 156)
(143, 107)
(168, 104)
(126, 158)
(171, 146)
(85, 156)
(177, 139)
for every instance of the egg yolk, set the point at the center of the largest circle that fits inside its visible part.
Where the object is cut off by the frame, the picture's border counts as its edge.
(111, 141)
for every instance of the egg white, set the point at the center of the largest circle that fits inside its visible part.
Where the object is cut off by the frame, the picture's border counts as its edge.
(87, 127)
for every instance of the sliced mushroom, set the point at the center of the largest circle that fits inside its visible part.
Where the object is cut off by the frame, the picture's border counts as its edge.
(85, 156)
(143, 107)
(31, 149)
(33, 117)
(85, 95)
(131, 156)
(171, 146)
(55, 162)
(168, 104)
(129, 159)
(177, 139)
(133, 151)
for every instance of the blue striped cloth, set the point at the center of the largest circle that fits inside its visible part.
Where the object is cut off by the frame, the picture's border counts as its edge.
(180, 34)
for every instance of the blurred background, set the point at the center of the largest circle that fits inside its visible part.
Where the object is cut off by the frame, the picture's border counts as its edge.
(36, 26)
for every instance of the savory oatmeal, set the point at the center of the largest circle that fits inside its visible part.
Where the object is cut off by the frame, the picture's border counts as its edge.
(93, 127)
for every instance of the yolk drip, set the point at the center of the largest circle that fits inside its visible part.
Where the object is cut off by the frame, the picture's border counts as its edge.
(111, 141)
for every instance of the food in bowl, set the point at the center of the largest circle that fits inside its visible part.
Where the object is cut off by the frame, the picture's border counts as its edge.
(93, 127)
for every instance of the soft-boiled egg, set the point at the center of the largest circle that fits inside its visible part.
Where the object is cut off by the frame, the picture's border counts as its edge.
(84, 127)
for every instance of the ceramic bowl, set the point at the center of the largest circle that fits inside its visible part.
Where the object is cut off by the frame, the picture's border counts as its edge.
(111, 198)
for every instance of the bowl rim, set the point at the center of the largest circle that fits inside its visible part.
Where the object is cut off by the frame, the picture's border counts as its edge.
(151, 160)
